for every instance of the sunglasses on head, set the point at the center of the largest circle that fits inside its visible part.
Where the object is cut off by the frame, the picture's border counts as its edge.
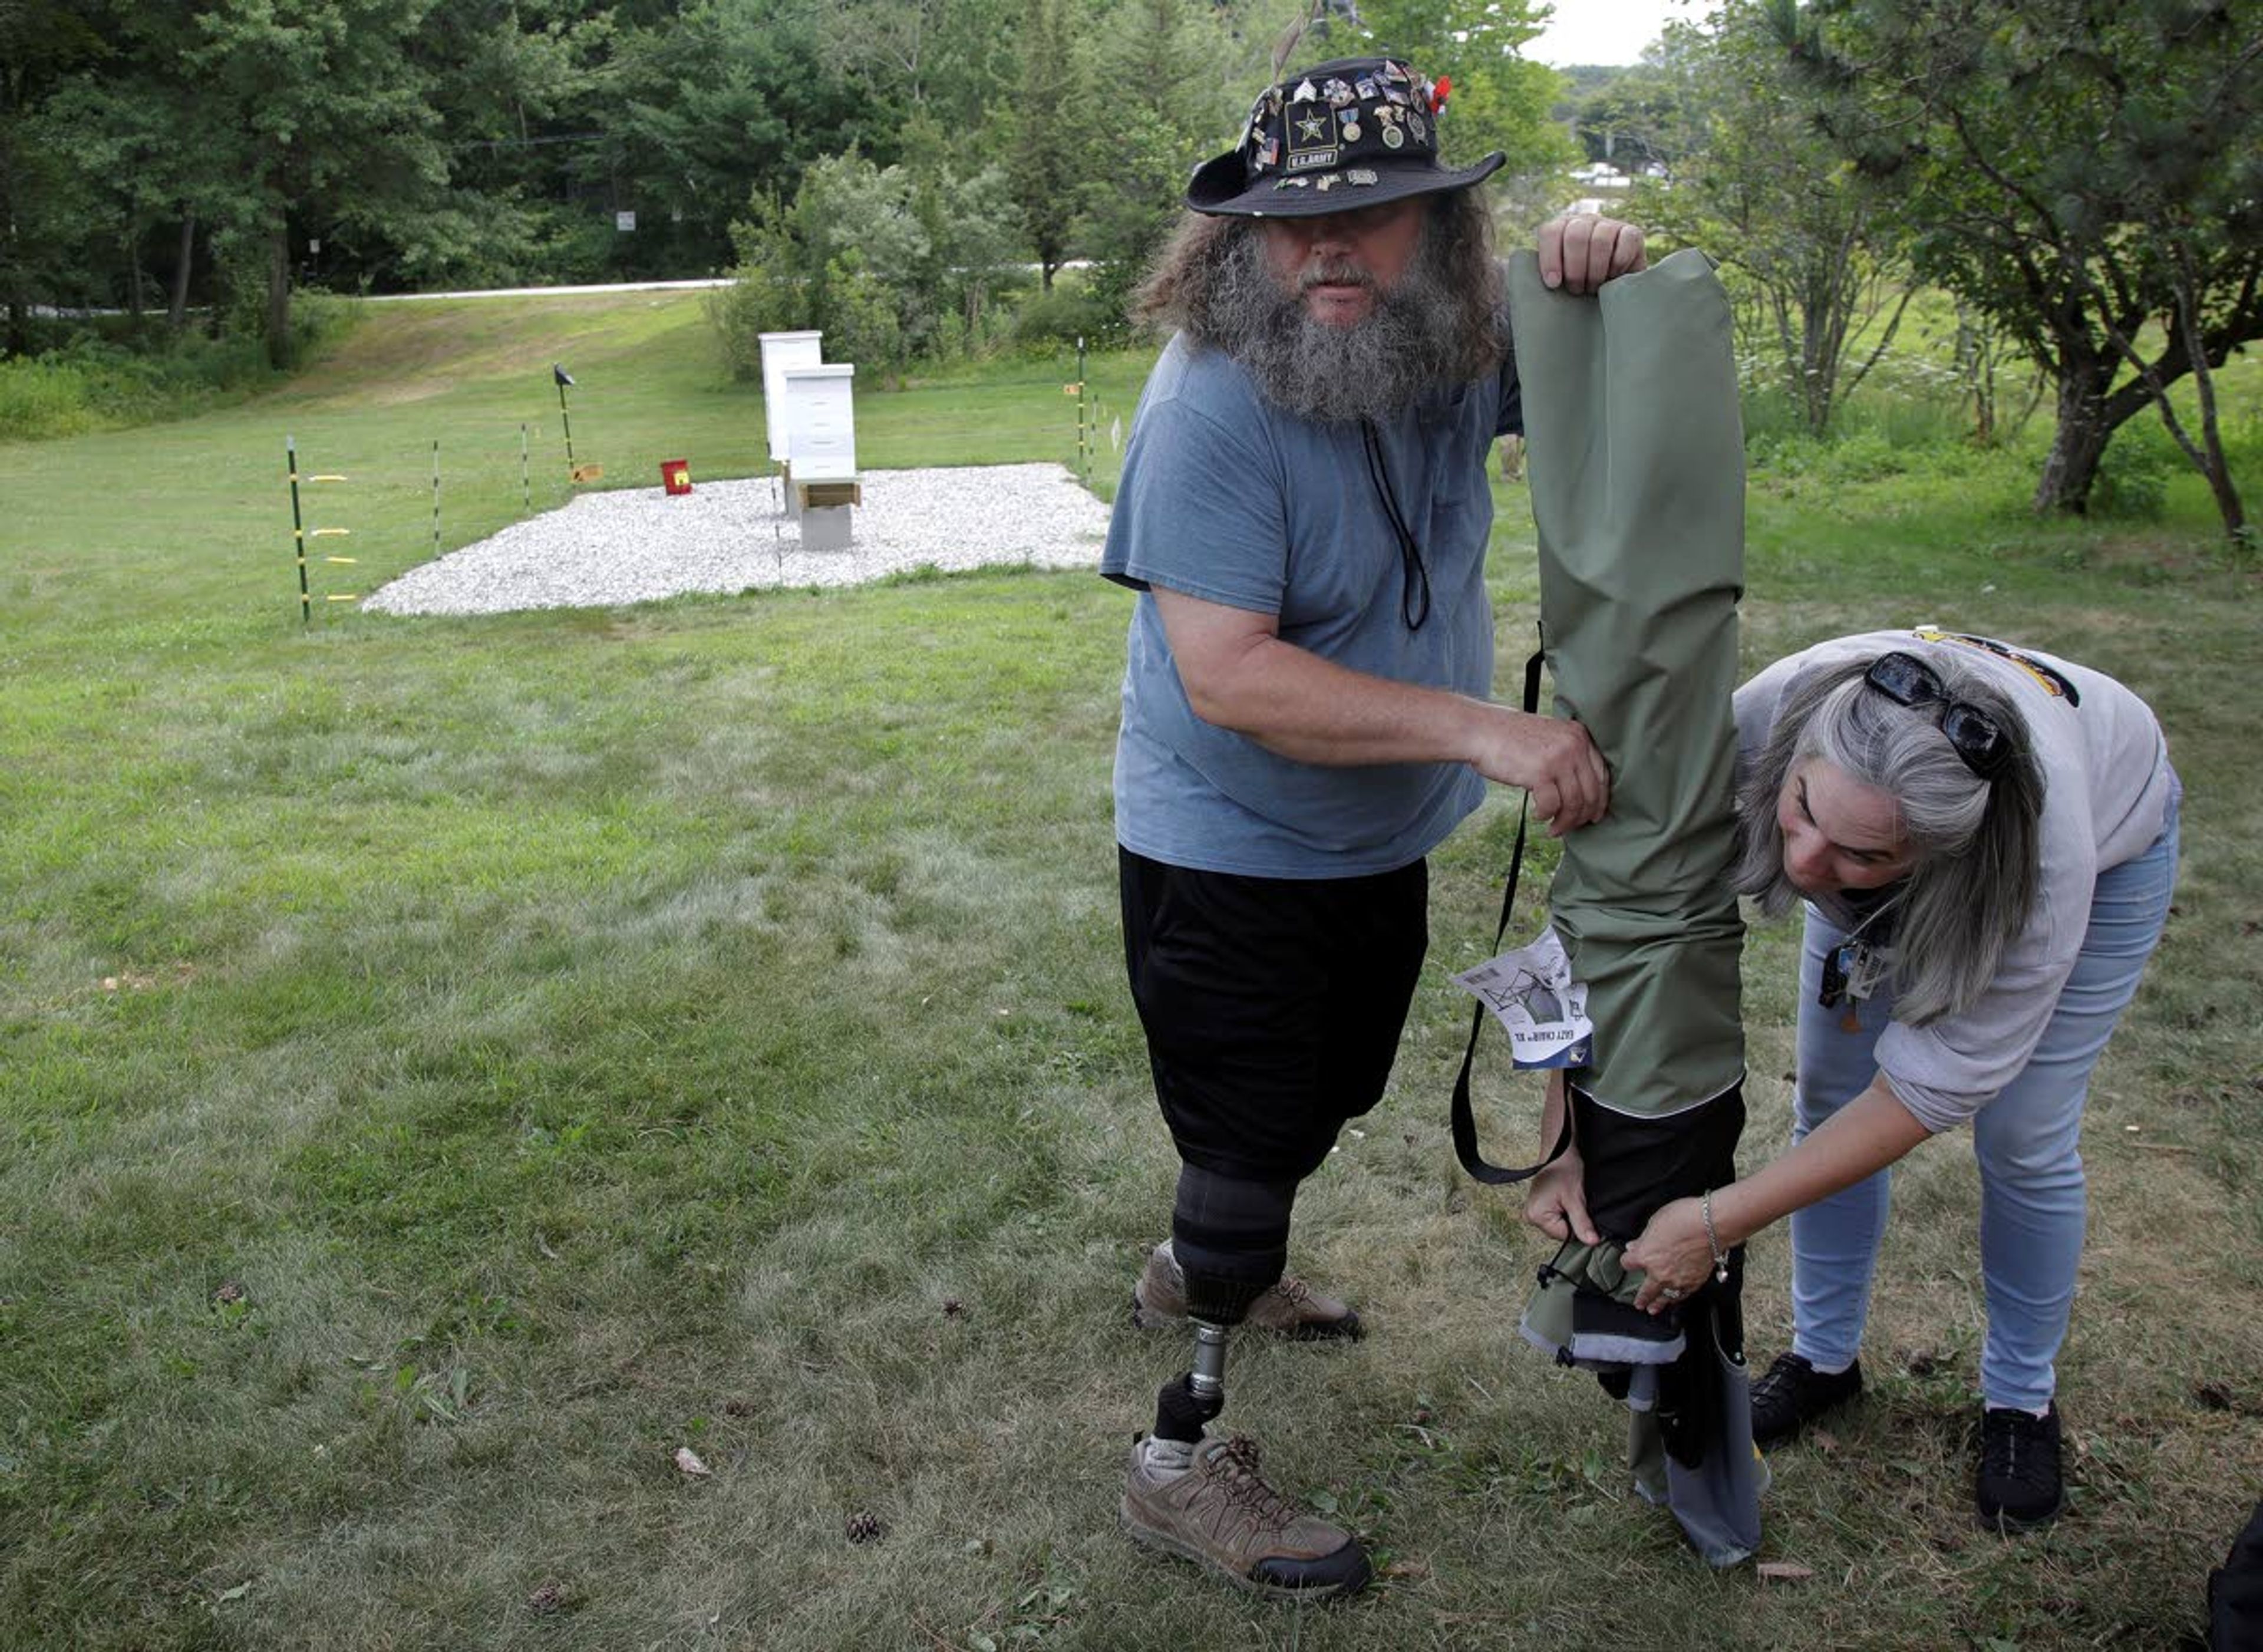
(1972, 733)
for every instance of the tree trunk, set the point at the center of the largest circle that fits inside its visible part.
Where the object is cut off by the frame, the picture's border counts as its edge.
(1976, 366)
(2213, 463)
(279, 294)
(17, 338)
(177, 315)
(135, 287)
(2071, 468)
(2228, 503)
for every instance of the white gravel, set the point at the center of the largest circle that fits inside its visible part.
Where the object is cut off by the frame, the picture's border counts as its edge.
(639, 544)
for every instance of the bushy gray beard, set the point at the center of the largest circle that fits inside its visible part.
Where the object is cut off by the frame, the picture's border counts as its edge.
(1409, 341)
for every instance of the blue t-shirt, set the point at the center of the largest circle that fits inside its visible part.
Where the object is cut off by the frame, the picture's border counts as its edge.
(1226, 498)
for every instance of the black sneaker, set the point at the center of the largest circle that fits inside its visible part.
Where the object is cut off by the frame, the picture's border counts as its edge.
(1791, 1394)
(2020, 1487)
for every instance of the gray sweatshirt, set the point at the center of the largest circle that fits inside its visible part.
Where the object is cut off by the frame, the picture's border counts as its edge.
(2106, 790)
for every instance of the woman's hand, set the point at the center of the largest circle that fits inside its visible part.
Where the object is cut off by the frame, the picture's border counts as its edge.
(1860, 1139)
(1673, 1254)
(1557, 1203)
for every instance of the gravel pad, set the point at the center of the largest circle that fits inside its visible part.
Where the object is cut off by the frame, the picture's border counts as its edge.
(639, 544)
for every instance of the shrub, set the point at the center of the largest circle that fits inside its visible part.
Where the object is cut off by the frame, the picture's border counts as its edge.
(93, 383)
(42, 396)
(318, 320)
(2133, 482)
(860, 320)
(1043, 321)
(760, 300)
(892, 265)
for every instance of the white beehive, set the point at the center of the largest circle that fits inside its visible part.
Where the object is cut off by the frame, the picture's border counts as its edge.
(780, 352)
(820, 423)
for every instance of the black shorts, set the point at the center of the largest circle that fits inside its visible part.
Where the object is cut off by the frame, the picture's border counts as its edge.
(1273, 1006)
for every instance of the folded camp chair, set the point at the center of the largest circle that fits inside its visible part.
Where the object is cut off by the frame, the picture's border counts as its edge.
(1637, 470)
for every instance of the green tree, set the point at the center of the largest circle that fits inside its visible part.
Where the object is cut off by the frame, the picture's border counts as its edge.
(1174, 99)
(2088, 173)
(1817, 261)
(149, 155)
(1043, 134)
(973, 233)
(951, 62)
(328, 105)
(1499, 100)
(1644, 116)
(526, 94)
(880, 260)
(768, 292)
(41, 45)
(727, 97)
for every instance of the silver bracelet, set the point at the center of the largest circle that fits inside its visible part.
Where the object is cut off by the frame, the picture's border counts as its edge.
(1713, 1242)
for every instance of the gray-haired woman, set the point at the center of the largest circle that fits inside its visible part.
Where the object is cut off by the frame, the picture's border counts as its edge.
(1985, 838)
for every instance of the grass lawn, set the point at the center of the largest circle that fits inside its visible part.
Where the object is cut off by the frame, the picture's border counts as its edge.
(448, 1066)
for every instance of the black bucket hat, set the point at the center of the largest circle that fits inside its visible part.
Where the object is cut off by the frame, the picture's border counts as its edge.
(1354, 132)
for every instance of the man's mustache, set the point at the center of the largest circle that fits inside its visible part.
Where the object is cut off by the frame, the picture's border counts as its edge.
(1333, 275)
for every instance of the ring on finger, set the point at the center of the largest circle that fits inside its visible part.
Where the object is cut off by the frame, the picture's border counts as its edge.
(1670, 1293)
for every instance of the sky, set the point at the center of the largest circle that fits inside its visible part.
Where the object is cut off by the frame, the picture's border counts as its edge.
(1606, 31)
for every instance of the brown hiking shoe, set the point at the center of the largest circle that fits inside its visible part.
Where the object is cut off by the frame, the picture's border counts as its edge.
(1290, 1309)
(1221, 1514)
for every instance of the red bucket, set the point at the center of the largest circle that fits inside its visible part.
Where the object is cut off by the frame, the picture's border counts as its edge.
(676, 476)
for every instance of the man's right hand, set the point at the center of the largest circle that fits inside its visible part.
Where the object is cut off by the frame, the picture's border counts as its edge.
(1579, 251)
(1552, 759)
(1239, 675)
(1557, 1202)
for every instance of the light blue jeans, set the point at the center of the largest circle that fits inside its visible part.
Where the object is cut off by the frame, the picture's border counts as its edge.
(2028, 1142)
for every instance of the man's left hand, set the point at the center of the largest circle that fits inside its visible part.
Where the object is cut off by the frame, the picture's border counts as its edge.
(1581, 251)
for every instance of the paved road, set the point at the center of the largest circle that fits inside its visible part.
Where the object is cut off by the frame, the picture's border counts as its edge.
(614, 286)
(514, 292)
(555, 292)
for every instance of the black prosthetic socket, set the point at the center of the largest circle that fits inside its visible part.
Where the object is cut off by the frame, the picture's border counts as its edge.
(1231, 1238)
(1180, 1412)
(1634, 1165)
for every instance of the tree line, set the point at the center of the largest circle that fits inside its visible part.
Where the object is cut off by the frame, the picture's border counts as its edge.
(2083, 177)
(161, 157)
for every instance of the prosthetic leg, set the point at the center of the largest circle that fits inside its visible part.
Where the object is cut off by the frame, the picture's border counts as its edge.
(1204, 1498)
(1232, 1241)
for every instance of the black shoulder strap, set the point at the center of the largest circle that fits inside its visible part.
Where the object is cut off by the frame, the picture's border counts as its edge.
(1465, 1122)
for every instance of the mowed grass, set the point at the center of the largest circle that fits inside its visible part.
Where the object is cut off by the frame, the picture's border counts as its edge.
(154, 533)
(446, 1067)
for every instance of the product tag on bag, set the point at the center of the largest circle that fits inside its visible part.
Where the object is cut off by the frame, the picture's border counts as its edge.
(1531, 993)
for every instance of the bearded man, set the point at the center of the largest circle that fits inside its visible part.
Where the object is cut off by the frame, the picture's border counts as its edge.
(1304, 510)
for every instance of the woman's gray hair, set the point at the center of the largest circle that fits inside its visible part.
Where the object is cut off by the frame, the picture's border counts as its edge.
(1976, 845)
